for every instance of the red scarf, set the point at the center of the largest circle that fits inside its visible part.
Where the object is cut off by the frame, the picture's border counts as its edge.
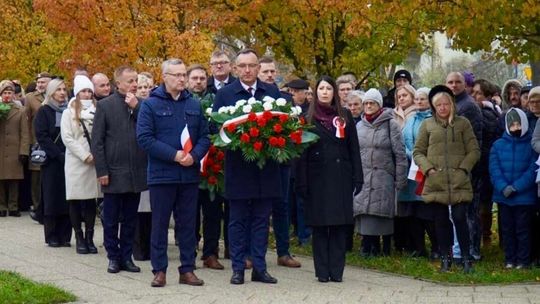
(371, 117)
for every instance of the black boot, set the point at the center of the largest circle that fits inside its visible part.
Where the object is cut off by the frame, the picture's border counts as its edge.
(467, 264)
(80, 243)
(446, 263)
(90, 241)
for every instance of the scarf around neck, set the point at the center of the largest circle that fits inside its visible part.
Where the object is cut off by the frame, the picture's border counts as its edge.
(59, 109)
(371, 117)
(325, 114)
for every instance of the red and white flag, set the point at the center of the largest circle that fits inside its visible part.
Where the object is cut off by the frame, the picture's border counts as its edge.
(416, 175)
(185, 139)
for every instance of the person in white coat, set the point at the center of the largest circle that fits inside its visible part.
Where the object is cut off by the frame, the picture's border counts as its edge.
(82, 189)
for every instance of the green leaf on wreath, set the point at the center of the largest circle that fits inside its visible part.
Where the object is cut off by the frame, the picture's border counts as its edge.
(220, 118)
(309, 137)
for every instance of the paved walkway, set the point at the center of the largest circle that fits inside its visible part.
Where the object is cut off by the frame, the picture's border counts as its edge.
(22, 249)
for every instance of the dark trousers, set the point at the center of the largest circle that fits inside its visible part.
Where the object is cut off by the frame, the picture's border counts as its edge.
(57, 228)
(473, 218)
(119, 218)
(82, 210)
(9, 195)
(213, 212)
(445, 231)
(35, 181)
(143, 230)
(180, 199)
(249, 217)
(485, 208)
(403, 234)
(280, 214)
(329, 248)
(535, 233)
(516, 230)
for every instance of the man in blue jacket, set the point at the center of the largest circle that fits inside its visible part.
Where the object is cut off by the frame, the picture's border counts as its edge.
(173, 167)
(251, 191)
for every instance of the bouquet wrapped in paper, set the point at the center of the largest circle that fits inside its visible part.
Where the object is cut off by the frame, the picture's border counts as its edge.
(268, 129)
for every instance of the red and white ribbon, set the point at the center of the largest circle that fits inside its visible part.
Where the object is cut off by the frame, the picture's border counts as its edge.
(185, 139)
(240, 120)
(340, 124)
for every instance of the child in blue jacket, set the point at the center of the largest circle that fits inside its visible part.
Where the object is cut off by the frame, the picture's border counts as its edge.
(512, 167)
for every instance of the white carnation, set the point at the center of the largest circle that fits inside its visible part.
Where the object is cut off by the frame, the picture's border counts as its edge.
(268, 99)
(298, 110)
(223, 110)
(281, 102)
(252, 100)
(232, 109)
(241, 102)
(267, 106)
(208, 111)
(246, 108)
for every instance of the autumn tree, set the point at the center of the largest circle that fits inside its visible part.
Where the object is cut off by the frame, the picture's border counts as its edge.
(142, 33)
(27, 46)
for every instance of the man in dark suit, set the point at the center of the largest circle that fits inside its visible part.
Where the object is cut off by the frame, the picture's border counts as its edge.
(251, 191)
(120, 167)
(220, 66)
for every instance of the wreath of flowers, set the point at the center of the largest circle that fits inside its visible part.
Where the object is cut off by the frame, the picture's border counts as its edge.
(4, 110)
(268, 129)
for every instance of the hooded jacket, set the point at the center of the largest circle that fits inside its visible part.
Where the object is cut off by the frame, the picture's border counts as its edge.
(506, 91)
(159, 127)
(512, 162)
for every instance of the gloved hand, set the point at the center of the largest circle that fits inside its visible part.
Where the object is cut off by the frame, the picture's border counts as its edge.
(357, 188)
(23, 159)
(508, 191)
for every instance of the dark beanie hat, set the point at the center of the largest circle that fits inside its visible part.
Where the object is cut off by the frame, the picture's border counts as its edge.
(439, 89)
(403, 74)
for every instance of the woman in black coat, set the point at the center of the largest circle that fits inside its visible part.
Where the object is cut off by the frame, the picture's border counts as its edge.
(47, 128)
(329, 173)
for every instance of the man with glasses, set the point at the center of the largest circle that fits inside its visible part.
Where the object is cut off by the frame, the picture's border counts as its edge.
(220, 65)
(251, 191)
(173, 167)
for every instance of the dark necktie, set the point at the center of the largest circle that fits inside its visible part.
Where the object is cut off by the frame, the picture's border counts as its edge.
(250, 90)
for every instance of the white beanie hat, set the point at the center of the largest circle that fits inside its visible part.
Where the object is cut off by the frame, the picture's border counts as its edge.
(373, 95)
(82, 82)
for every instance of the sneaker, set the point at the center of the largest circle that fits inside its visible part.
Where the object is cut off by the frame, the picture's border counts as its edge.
(508, 265)
(522, 266)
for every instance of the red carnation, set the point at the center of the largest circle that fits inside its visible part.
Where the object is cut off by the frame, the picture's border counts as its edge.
(220, 155)
(216, 168)
(212, 149)
(261, 122)
(209, 161)
(273, 141)
(258, 146)
(231, 128)
(252, 117)
(278, 128)
(204, 173)
(212, 180)
(267, 115)
(283, 118)
(302, 120)
(281, 142)
(244, 137)
(253, 132)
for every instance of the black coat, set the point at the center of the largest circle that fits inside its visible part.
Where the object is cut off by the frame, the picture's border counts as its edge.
(53, 185)
(115, 148)
(210, 87)
(243, 179)
(327, 174)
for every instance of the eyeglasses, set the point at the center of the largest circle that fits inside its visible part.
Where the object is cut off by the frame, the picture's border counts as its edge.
(177, 75)
(245, 65)
(219, 63)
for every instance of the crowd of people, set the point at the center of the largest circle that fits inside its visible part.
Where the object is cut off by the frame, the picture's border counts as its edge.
(391, 170)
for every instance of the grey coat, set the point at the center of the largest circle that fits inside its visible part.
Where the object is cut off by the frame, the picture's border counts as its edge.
(384, 164)
(115, 148)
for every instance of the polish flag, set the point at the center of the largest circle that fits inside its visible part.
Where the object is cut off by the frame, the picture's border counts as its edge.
(416, 175)
(185, 139)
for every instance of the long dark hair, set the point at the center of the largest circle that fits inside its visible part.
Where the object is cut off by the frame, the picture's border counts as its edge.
(335, 99)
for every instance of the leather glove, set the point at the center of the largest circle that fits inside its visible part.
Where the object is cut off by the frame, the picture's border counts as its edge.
(23, 159)
(357, 188)
(508, 191)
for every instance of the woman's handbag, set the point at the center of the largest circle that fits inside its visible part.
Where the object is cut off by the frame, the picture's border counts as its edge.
(38, 156)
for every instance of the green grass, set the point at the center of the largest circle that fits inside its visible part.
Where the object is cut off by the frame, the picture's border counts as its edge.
(15, 289)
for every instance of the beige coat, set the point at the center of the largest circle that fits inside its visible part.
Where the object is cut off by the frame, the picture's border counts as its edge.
(32, 104)
(401, 116)
(14, 141)
(81, 179)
